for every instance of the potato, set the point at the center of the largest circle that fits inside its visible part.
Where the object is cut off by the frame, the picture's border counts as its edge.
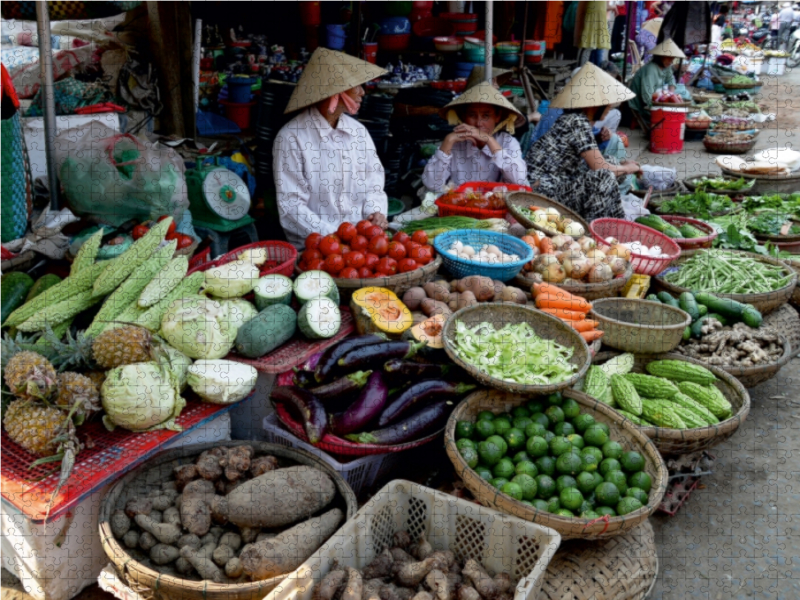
(513, 294)
(466, 299)
(482, 287)
(419, 317)
(453, 302)
(438, 290)
(435, 307)
(414, 297)
(499, 286)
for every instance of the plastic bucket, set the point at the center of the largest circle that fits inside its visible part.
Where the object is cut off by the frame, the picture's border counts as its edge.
(370, 51)
(336, 36)
(239, 89)
(668, 125)
(238, 113)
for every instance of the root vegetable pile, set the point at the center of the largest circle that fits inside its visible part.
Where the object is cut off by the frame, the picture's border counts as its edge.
(737, 346)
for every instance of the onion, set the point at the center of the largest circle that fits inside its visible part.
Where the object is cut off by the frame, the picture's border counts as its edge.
(541, 262)
(552, 214)
(617, 265)
(612, 240)
(577, 268)
(586, 243)
(574, 247)
(554, 273)
(574, 228)
(600, 273)
(539, 218)
(621, 251)
(595, 255)
(560, 242)
(559, 255)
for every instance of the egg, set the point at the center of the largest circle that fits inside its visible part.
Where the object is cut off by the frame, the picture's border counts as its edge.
(492, 249)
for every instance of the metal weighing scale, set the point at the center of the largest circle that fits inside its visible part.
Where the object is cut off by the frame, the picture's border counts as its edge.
(218, 198)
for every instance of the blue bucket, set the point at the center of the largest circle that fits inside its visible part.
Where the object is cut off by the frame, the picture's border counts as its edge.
(336, 36)
(239, 89)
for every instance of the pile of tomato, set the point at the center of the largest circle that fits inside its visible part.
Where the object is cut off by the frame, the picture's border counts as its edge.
(365, 250)
(184, 241)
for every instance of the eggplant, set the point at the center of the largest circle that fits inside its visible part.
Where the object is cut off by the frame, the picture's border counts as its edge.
(375, 355)
(398, 369)
(303, 378)
(419, 393)
(305, 405)
(328, 359)
(426, 421)
(342, 386)
(369, 405)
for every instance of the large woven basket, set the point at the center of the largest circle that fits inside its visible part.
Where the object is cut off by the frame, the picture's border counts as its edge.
(519, 200)
(590, 291)
(782, 184)
(750, 377)
(674, 442)
(786, 322)
(150, 475)
(621, 431)
(693, 243)
(729, 147)
(639, 326)
(765, 303)
(545, 326)
(691, 184)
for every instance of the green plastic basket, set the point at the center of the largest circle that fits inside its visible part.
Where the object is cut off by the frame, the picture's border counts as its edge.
(13, 185)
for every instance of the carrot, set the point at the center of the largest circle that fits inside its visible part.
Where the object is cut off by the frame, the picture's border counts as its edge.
(564, 315)
(531, 240)
(590, 336)
(583, 326)
(575, 303)
(546, 246)
(549, 288)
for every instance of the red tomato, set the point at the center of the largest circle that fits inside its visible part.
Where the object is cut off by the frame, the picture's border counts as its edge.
(348, 273)
(139, 231)
(374, 231)
(355, 259)
(316, 265)
(334, 263)
(420, 237)
(387, 266)
(371, 261)
(302, 265)
(359, 243)
(308, 255)
(364, 273)
(329, 245)
(410, 246)
(397, 251)
(419, 254)
(347, 231)
(406, 265)
(401, 237)
(424, 255)
(172, 226)
(312, 241)
(344, 249)
(378, 245)
(363, 226)
(184, 241)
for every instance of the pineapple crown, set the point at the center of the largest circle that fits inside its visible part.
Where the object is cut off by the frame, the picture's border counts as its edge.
(75, 352)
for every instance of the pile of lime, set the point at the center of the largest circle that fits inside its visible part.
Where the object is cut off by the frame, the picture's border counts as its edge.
(549, 455)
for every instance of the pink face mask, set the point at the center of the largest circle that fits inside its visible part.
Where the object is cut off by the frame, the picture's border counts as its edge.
(350, 105)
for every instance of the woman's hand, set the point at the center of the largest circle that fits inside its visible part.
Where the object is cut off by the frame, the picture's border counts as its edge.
(378, 219)
(605, 134)
(630, 166)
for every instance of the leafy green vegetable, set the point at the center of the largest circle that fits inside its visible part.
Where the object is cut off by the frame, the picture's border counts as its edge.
(700, 204)
(770, 223)
(721, 183)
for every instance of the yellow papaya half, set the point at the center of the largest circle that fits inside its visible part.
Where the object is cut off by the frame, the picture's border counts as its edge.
(378, 310)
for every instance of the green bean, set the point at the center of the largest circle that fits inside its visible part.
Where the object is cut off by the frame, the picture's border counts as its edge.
(725, 272)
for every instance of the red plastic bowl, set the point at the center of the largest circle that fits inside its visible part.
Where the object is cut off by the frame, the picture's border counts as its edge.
(628, 231)
(394, 41)
(693, 243)
(433, 27)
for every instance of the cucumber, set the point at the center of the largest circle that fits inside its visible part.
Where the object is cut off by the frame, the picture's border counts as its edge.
(272, 289)
(14, 288)
(687, 303)
(702, 309)
(687, 333)
(319, 319)
(690, 231)
(270, 328)
(653, 298)
(315, 284)
(659, 224)
(666, 298)
(697, 327)
(751, 317)
(730, 309)
(718, 317)
(44, 282)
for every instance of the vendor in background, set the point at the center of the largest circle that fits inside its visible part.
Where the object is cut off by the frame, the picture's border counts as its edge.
(566, 164)
(325, 163)
(651, 77)
(482, 146)
(500, 77)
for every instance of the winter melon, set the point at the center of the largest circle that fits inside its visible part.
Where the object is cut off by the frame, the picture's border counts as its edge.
(319, 318)
(269, 329)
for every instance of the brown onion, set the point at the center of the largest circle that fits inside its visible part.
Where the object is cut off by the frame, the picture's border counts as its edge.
(586, 243)
(621, 251)
(600, 273)
(554, 273)
(617, 265)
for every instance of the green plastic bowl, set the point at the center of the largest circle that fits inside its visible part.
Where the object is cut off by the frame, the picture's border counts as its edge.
(395, 207)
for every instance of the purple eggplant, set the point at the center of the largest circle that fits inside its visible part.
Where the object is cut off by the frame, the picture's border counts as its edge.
(306, 406)
(375, 355)
(327, 362)
(426, 421)
(303, 378)
(342, 386)
(422, 393)
(405, 370)
(369, 405)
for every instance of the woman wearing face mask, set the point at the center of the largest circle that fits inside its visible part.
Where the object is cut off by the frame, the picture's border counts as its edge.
(481, 147)
(325, 164)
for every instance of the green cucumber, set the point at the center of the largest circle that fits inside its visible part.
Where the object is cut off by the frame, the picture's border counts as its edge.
(730, 309)
(687, 333)
(319, 318)
(666, 298)
(270, 328)
(14, 288)
(697, 327)
(659, 224)
(43, 283)
(702, 309)
(718, 317)
(687, 303)
(752, 317)
(315, 284)
(272, 289)
(690, 231)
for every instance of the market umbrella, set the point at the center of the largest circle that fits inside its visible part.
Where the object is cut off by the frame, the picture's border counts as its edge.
(687, 23)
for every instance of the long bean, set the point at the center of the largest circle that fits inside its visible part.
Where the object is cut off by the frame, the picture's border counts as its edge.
(727, 272)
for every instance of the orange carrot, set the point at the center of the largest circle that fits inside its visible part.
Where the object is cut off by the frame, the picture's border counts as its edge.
(546, 246)
(585, 325)
(564, 315)
(531, 240)
(574, 303)
(549, 288)
(590, 336)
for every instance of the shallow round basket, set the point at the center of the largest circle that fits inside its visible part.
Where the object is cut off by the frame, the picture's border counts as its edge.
(519, 200)
(750, 377)
(589, 291)
(693, 243)
(628, 231)
(691, 184)
(281, 257)
(795, 265)
(729, 147)
(785, 184)
(785, 321)
(698, 124)
(765, 303)
(545, 326)
(149, 477)
(670, 191)
(621, 430)
(476, 238)
(675, 442)
(639, 326)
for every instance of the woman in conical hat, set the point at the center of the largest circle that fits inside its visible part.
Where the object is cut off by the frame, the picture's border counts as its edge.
(566, 164)
(654, 75)
(481, 147)
(325, 163)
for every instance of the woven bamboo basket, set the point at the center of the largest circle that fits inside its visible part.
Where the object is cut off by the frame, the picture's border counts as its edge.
(639, 326)
(795, 265)
(519, 200)
(742, 147)
(670, 191)
(786, 322)
(621, 430)
(691, 184)
(781, 184)
(149, 476)
(589, 291)
(750, 377)
(765, 303)
(545, 326)
(674, 442)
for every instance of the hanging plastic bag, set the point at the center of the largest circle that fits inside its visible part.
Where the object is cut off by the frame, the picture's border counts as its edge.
(661, 178)
(111, 178)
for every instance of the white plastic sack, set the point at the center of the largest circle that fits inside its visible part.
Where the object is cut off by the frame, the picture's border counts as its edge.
(633, 207)
(660, 178)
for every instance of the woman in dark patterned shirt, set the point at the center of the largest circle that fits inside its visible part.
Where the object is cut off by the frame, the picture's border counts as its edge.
(565, 164)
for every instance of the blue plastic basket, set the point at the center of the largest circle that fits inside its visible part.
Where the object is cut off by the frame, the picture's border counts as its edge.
(477, 238)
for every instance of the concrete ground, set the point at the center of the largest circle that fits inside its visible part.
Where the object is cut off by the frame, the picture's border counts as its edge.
(738, 536)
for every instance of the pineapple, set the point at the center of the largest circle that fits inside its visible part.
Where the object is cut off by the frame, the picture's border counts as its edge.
(73, 353)
(30, 376)
(79, 394)
(98, 377)
(122, 346)
(39, 429)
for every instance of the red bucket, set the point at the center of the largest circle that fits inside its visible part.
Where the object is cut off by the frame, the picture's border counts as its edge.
(668, 125)
(238, 113)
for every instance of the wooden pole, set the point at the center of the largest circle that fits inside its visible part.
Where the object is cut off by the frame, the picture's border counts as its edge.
(48, 94)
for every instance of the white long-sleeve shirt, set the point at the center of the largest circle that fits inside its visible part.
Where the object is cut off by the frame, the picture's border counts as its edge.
(469, 163)
(325, 176)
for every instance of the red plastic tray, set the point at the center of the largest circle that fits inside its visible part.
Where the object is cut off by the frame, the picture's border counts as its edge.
(449, 210)
(106, 456)
(281, 258)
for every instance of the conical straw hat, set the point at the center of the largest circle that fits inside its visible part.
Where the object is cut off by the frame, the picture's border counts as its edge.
(329, 73)
(591, 86)
(653, 26)
(483, 93)
(668, 48)
(477, 77)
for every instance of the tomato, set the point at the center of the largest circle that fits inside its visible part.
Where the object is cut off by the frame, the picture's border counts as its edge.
(387, 266)
(419, 254)
(334, 263)
(374, 231)
(309, 255)
(172, 226)
(362, 227)
(420, 237)
(184, 241)
(139, 231)
(359, 243)
(401, 237)
(312, 241)
(378, 245)
(355, 259)
(371, 261)
(397, 251)
(344, 249)
(347, 231)
(406, 265)
(316, 265)
(302, 265)
(365, 273)
(411, 246)
(424, 255)
(348, 273)
(329, 245)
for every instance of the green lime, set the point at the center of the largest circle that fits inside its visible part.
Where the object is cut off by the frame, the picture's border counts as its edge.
(612, 449)
(571, 498)
(641, 480)
(537, 446)
(504, 468)
(563, 512)
(527, 484)
(569, 463)
(559, 445)
(607, 494)
(555, 414)
(541, 418)
(598, 479)
(585, 506)
(465, 429)
(546, 465)
(499, 482)
(628, 505)
(632, 462)
(515, 439)
(527, 503)
(539, 504)
(589, 514)
(638, 493)
(499, 442)
(595, 435)
(501, 425)
(489, 453)
(571, 408)
(593, 451)
(555, 399)
(512, 489)
(548, 435)
(545, 486)
(520, 411)
(520, 456)
(608, 465)
(553, 505)
(470, 456)
(576, 440)
(534, 429)
(484, 472)
(521, 423)
(618, 479)
(526, 467)
(589, 463)
(484, 428)
(605, 510)
(582, 422)
(486, 415)
(535, 406)
(505, 415)
(585, 483)
(465, 443)
(605, 428)
(565, 481)
(563, 428)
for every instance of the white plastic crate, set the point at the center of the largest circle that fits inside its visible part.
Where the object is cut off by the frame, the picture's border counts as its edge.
(500, 542)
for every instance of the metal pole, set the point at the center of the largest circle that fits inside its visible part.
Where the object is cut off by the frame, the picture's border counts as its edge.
(196, 54)
(46, 71)
(626, 37)
(487, 44)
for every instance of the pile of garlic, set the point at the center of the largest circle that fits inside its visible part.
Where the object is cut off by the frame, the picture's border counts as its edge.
(639, 248)
(488, 253)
